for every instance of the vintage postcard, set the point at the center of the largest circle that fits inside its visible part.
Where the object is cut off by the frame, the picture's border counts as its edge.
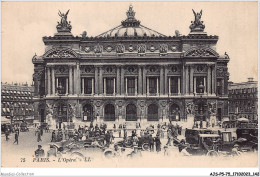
(129, 84)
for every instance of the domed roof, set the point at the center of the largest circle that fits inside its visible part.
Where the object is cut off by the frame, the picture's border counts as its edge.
(130, 28)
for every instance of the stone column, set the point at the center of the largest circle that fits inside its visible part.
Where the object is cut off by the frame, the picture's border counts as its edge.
(161, 81)
(144, 81)
(166, 81)
(101, 80)
(126, 89)
(75, 80)
(92, 82)
(204, 85)
(195, 88)
(140, 88)
(105, 86)
(122, 80)
(67, 86)
(57, 83)
(96, 80)
(114, 89)
(48, 81)
(148, 86)
(179, 85)
(187, 79)
(191, 80)
(222, 86)
(157, 86)
(183, 80)
(209, 80)
(135, 85)
(169, 86)
(70, 81)
(214, 80)
(82, 89)
(117, 80)
(53, 80)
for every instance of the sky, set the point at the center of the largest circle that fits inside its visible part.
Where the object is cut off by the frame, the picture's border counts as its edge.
(25, 23)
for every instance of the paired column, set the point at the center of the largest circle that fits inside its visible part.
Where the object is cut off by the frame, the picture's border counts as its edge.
(118, 80)
(67, 86)
(114, 91)
(75, 79)
(179, 85)
(92, 83)
(157, 88)
(53, 80)
(205, 85)
(126, 90)
(100, 80)
(122, 80)
(48, 80)
(140, 80)
(96, 80)
(166, 81)
(135, 85)
(70, 81)
(105, 86)
(195, 82)
(170, 86)
(144, 81)
(191, 79)
(83, 86)
(209, 80)
(213, 80)
(187, 79)
(161, 81)
(148, 85)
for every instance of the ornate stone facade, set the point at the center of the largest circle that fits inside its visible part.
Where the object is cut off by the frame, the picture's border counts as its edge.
(132, 73)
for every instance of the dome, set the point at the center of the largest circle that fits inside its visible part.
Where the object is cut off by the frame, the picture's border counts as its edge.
(130, 28)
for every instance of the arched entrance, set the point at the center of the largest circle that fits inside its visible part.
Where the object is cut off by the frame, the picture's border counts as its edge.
(109, 112)
(88, 113)
(175, 112)
(152, 112)
(131, 113)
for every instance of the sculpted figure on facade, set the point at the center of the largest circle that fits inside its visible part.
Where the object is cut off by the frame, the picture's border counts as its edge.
(197, 24)
(212, 106)
(64, 25)
(190, 107)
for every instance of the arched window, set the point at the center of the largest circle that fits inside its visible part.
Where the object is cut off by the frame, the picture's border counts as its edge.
(62, 112)
(88, 114)
(131, 114)
(175, 112)
(152, 112)
(109, 112)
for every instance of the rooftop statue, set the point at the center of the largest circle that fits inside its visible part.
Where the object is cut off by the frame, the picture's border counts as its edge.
(64, 25)
(197, 25)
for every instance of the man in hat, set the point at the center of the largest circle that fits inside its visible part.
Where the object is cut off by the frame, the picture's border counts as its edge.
(39, 152)
(157, 143)
(51, 152)
(235, 150)
(53, 136)
(16, 138)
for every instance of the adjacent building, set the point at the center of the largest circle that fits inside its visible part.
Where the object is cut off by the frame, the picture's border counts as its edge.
(243, 100)
(130, 73)
(17, 101)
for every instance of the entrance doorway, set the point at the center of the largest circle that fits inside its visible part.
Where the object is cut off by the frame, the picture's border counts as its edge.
(152, 112)
(131, 114)
(109, 112)
(88, 113)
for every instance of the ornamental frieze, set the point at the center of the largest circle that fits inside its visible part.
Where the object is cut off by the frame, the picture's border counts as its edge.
(131, 70)
(200, 68)
(60, 53)
(98, 48)
(163, 48)
(109, 70)
(201, 52)
(221, 71)
(152, 69)
(212, 107)
(87, 69)
(61, 70)
(120, 49)
(174, 69)
(141, 48)
(190, 107)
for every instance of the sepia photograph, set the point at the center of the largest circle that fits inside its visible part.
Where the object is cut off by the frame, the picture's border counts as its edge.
(129, 84)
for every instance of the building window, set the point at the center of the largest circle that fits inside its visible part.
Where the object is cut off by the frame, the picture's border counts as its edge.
(109, 112)
(152, 85)
(62, 85)
(109, 85)
(86, 86)
(131, 85)
(152, 113)
(174, 84)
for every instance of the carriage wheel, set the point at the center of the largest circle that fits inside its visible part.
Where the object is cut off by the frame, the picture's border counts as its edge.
(145, 147)
(77, 155)
(212, 153)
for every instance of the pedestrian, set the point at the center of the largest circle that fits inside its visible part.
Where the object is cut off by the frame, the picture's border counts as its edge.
(17, 131)
(151, 143)
(39, 152)
(157, 143)
(201, 124)
(107, 138)
(6, 135)
(119, 133)
(169, 136)
(39, 137)
(15, 138)
(41, 130)
(125, 134)
(166, 151)
(53, 136)
(66, 133)
(51, 152)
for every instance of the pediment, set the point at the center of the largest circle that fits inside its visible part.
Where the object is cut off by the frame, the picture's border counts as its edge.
(201, 52)
(60, 53)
